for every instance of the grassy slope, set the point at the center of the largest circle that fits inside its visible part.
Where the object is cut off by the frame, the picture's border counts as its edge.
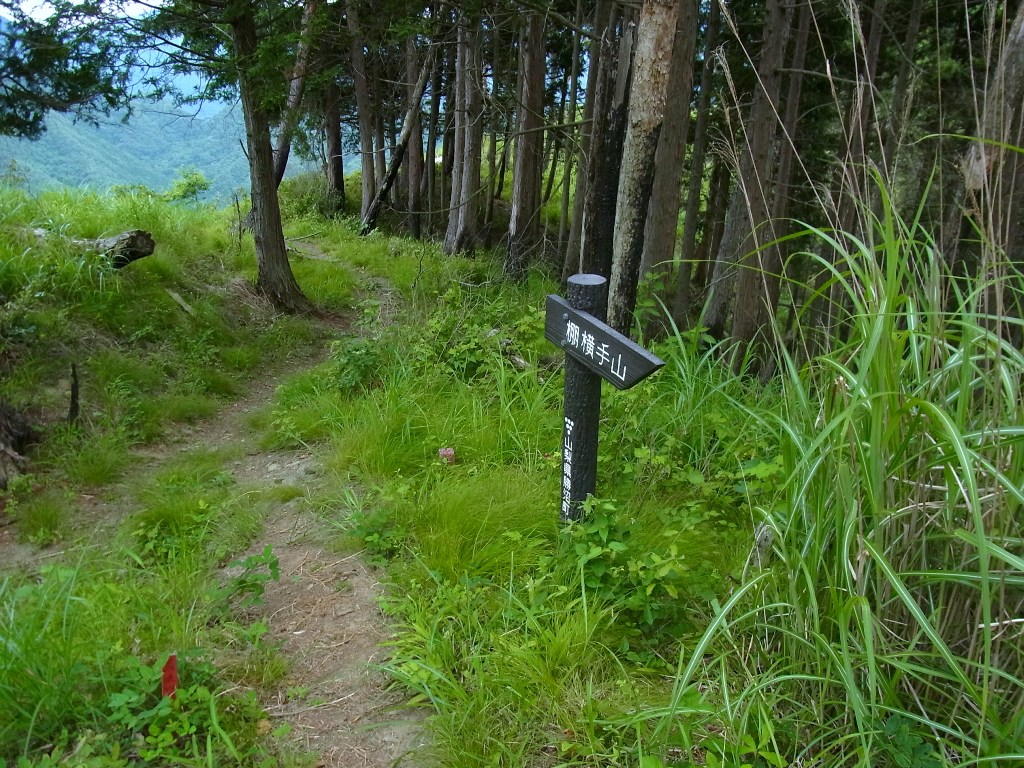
(84, 637)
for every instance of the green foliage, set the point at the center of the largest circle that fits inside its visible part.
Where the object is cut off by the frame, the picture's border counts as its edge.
(866, 622)
(188, 186)
(187, 726)
(496, 610)
(250, 583)
(904, 747)
(643, 584)
(69, 61)
(80, 665)
(305, 195)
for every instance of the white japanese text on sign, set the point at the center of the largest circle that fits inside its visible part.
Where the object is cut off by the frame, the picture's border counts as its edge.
(591, 346)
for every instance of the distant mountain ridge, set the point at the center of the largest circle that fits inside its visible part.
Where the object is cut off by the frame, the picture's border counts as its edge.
(150, 149)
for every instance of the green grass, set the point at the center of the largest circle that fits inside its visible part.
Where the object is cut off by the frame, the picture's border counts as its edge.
(822, 570)
(83, 636)
(143, 362)
(875, 633)
(870, 623)
(521, 638)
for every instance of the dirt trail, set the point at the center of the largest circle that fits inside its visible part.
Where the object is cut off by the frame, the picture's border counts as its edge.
(324, 611)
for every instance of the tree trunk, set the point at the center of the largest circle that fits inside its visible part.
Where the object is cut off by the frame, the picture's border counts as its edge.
(688, 244)
(409, 126)
(714, 226)
(556, 140)
(431, 148)
(364, 109)
(503, 162)
(464, 205)
(663, 217)
(335, 160)
(573, 263)
(469, 210)
(897, 112)
(458, 142)
(523, 235)
(380, 166)
(993, 179)
(563, 218)
(492, 142)
(415, 150)
(609, 131)
(274, 273)
(757, 295)
(745, 224)
(451, 112)
(653, 62)
(296, 87)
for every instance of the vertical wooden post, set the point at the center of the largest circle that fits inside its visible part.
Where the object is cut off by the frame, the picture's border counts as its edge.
(588, 293)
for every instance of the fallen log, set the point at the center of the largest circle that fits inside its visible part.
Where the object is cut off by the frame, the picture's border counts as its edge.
(122, 249)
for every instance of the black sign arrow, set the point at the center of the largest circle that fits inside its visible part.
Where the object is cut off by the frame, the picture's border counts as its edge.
(598, 346)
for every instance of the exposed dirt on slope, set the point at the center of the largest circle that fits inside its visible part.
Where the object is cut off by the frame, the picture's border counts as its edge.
(325, 615)
(324, 611)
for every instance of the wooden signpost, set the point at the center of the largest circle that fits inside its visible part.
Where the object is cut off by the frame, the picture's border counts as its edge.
(593, 351)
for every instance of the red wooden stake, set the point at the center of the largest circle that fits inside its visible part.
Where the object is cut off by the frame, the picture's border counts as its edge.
(170, 677)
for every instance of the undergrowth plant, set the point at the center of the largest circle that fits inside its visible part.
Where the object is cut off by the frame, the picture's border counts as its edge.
(165, 340)
(881, 627)
(85, 635)
(525, 639)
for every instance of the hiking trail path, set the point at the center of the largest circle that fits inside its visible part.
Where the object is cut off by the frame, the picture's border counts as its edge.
(323, 612)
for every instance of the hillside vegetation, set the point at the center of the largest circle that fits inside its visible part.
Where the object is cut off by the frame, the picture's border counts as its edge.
(821, 570)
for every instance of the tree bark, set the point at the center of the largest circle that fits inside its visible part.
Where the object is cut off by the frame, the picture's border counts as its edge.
(573, 262)
(415, 142)
(895, 121)
(364, 108)
(993, 179)
(567, 173)
(465, 199)
(123, 249)
(274, 274)
(458, 141)
(296, 87)
(663, 218)
(430, 168)
(335, 161)
(492, 142)
(377, 98)
(719, 196)
(523, 235)
(653, 62)
(698, 157)
(759, 286)
(746, 219)
(409, 126)
(556, 139)
(609, 130)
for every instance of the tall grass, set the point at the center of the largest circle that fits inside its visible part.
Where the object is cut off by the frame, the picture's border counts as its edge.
(886, 630)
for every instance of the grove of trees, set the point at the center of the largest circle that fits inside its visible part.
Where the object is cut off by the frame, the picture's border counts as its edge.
(670, 146)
